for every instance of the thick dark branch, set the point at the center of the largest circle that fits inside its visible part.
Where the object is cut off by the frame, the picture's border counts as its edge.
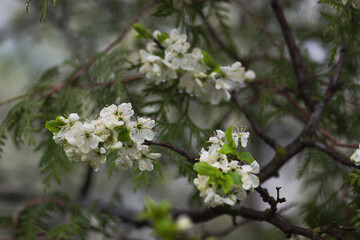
(189, 158)
(211, 213)
(272, 168)
(333, 154)
(270, 141)
(204, 215)
(269, 199)
(294, 54)
(84, 190)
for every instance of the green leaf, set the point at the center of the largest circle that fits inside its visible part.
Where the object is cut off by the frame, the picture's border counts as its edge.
(123, 134)
(236, 178)
(227, 149)
(216, 176)
(228, 136)
(53, 126)
(209, 61)
(142, 31)
(247, 157)
(204, 168)
(226, 183)
(162, 37)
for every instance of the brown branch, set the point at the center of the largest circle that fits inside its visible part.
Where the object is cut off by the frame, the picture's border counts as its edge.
(333, 154)
(336, 142)
(204, 215)
(270, 141)
(294, 54)
(269, 199)
(272, 168)
(258, 21)
(189, 158)
(34, 202)
(85, 188)
(335, 76)
(305, 116)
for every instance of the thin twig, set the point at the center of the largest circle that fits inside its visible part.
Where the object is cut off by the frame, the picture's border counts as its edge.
(34, 202)
(9, 100)
(85, 67)
(269, 199)
(218, 39)
(258, 21)
(270, 141)
(333, 154)
(189, 158)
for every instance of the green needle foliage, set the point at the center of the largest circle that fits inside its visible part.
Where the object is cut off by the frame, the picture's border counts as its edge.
(97, 72)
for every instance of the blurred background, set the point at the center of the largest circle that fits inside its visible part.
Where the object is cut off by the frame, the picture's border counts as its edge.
(78, 30)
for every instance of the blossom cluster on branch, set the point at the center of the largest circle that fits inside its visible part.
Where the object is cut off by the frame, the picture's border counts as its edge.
(223, 177)
(114, 130)
(168, 59)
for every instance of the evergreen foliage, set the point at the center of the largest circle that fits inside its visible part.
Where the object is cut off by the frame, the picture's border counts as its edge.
(96, 76)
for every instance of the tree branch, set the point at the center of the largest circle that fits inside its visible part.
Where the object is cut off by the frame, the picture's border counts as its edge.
(85, 67)
(269, 199)
(270, 141)
(189, 158)
(84, 190)
(294, 54)
(207, 214)
(333, 154)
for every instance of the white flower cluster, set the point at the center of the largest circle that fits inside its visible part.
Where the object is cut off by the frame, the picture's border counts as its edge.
(113, 130)
(356, 157)
(175, 61)
(212, 193)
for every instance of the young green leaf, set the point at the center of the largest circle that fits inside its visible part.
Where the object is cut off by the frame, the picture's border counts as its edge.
(123, 134)
(236, 178)
(209, 61)
(162, 37)
(53, 126)
(227, 149)
(226, 183)
(228, 136)
(247, 157)
(142, 31)
(205, 169)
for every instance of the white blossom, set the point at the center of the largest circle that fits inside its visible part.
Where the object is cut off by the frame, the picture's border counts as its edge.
(113, 130)
(249, 180)
(81, 135)
(183, 222)
(142, 129)
(356, 157)
(176, 61)
(250, 75)
(212, 193)
(240, 133)
(124, 162)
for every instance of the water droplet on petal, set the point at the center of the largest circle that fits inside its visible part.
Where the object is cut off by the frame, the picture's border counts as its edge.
(96, 169)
